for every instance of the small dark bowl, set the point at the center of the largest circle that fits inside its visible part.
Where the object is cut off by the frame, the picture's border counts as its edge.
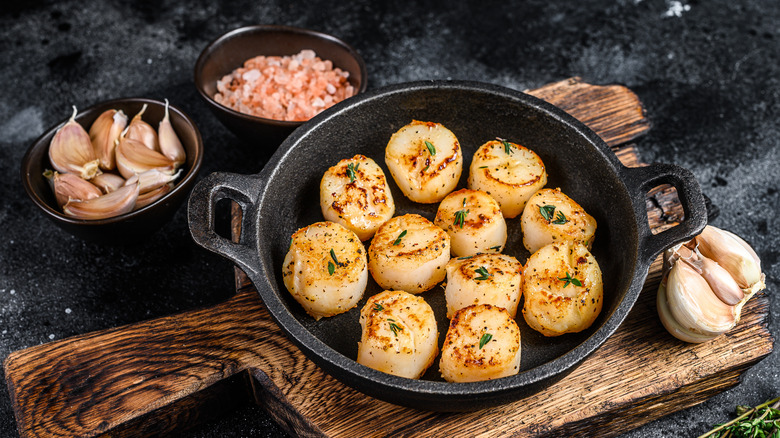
(129, 227)
(232, 49)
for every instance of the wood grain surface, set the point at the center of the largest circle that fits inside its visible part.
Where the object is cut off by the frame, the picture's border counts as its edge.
(161, 376)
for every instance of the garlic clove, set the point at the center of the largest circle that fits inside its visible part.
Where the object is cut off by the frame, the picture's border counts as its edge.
(729, 253)
(143, 132)
(671, 325)
(694, 305)
(132, 157)
(103, 133)
(67, 186)
(721, 282)
(70, 151)
(149, 197)
(170, 146)
(108, 182)
(152, 179)
(118, 202)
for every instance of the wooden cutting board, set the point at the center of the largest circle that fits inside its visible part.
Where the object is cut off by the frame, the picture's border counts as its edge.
(164, 375)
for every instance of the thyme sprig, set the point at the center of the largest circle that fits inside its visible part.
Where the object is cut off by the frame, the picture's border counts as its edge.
(400, 236)
(569, 279)
(483, 273)
(351, 169)
(395, 328)
(761, 421)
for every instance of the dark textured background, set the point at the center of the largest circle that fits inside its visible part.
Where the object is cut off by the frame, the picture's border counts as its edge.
(708, 73)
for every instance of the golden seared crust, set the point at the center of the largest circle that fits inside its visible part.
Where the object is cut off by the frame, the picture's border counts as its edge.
(509, 172)
(494, 279)
(355, 193)
(425, 160)
(551, 216)
(482, 343)
(409, 253)
(554, 301)
(474, 221)
(399, 334)
(325, 269)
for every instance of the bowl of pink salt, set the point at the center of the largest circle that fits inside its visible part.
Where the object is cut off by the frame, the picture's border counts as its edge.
(264, 81)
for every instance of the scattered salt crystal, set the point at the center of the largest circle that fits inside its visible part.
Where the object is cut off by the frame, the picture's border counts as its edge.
(51, 336)
(12, 292)
(5, 331)
(68, 310)
(252, 75)
(676, 9)
(148, 61)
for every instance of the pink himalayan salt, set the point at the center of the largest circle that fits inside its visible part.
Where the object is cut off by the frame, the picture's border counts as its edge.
(293, 88)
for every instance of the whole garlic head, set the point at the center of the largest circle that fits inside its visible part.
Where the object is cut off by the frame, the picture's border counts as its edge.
(706, 283)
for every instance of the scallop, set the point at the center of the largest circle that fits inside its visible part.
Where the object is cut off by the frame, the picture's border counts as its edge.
(474, 222)
(409, 253)
(509, 172)
(399, 334)
(563, 289)
(495, 279)
(325, 269)
(482, 343)
(425, 161)
(551, 216)
(354, 193)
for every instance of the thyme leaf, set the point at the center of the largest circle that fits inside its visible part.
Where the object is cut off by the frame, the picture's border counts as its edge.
(430, 147)
(547, 211)
(351, 169)
(569, 279)
(460, 217)
(331, 268)
(496, 248)
(484, 340)
(378, 307)
(395, 328)
(333, 256)
(560, 219)
(400, 236)
(483, 273)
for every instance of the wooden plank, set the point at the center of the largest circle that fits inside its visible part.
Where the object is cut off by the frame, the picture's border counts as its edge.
(167, 374)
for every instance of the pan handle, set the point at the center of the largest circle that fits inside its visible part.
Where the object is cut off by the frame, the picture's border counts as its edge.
(640, 180)
(242, 189)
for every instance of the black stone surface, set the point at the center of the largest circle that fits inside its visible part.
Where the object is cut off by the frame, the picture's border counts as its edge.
(708, 74)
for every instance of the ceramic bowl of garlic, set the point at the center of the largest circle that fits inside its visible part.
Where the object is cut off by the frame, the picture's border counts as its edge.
(114, 172)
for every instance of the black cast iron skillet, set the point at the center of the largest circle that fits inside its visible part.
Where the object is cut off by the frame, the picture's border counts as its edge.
(284, 196)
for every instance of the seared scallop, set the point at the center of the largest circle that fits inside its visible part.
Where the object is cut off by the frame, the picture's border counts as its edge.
(482, 343)
(510, 173)
(425, 161)
(495, 279)
(354, 193)
(399, 334)
(474, 222)
(409, 253)
(551, 216)
(563, 289)
(325, 269)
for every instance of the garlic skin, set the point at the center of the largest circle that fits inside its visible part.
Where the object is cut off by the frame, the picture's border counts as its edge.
(143, 132)
(170, 146)
(103, 133)
(118, 202)
(706, 283)
(152, 179)
(132, 158)
(67, 186)
(70, 151)
(108, 182)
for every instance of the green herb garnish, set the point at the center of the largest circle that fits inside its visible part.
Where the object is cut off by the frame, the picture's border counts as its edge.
(497, 247)
(762, 421)
(351, 169)
(484, 340)
(483, 273)
(547, 211)
(483, 167)
(507, 147)
(460, 215)
(569, 279)
(464, 258)
(430, 147)
(400, 236)
(378, 307)
(331, 268)
(395, 328)
(333, 256)
(560, 219)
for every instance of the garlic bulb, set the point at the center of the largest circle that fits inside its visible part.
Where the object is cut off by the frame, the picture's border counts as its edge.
(706, 283)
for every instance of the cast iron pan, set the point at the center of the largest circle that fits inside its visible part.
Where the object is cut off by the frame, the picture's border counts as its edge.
(284, 197)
